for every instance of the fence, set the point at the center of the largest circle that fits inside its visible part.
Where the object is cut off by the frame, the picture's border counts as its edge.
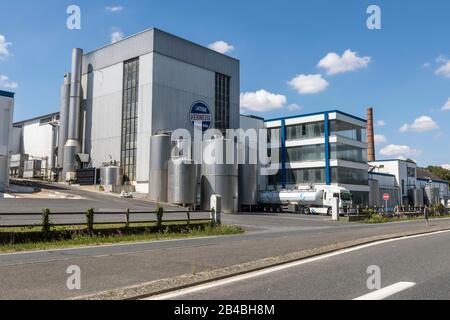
(90, 218)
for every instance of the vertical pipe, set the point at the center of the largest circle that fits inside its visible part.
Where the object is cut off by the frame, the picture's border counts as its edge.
(72, 146)
(370, 136)
(63, 118)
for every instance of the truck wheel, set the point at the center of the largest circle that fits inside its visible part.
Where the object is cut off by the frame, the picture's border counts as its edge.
(329, 211)
(271, 210)
(306, 210)
(278, 209)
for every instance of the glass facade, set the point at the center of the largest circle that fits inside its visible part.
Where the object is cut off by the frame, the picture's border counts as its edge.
(129, 118)
(222, 103)
(340, 151)
(306, 153)
(349, 176)
(305, 131)
(348, 130)
(305, 176)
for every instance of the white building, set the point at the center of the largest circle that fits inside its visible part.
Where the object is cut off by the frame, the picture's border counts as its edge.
(6, 118)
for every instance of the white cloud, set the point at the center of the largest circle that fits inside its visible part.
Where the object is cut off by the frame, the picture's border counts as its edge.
(446, 166)
(113, 8)
(446, 106)
(380, 123)
(380, 139)
(309, 84)
(421, 124)
(426, 65)
(444, 68)
(116, 36)
(294, 107)
(4, 51)
(400, 151)
(221, 47)
(6, 83)
(262, 101)
(349, 61)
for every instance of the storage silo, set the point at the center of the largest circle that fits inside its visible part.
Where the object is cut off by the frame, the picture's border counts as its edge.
(417, 197)
(159, 158)
(111, 176)
(182, 182)
(248, 179)
(432, 197)
(219, 177)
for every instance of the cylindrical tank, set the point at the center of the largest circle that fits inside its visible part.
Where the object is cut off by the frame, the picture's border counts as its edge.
(417, 197)
(432, 196)
(218, 177)
(111, 176)
(182, 182)
(248, 178)
(159, 158)
(63, 118)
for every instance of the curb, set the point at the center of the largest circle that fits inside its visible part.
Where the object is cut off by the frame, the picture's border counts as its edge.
(161, 286)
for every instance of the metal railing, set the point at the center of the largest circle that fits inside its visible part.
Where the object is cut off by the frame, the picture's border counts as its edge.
(126, 220)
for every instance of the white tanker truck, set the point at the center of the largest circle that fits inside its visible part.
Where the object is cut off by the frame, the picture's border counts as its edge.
(308, 200)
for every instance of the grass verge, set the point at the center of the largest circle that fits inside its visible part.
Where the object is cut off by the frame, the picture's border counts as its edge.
(83, 239)
(380, 219)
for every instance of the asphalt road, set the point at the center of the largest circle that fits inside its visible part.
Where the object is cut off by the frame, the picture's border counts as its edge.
(423, 261)
(42, 275)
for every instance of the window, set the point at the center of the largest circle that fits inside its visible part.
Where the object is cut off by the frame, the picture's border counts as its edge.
(305, 131)
(349, 176)
(411, 172)
(306, 153)
(348, 130)
(222, 121)
(341, 151)
(129, 118)
(305, 176)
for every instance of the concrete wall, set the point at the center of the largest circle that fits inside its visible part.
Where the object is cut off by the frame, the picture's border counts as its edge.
(6, 118)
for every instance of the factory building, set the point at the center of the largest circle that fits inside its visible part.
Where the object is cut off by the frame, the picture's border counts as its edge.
(34, 147)
(6, 119)
(327, 148)
(403, 180)
(151, 83)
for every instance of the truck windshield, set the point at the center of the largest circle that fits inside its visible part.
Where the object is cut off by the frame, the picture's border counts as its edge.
(345, 196)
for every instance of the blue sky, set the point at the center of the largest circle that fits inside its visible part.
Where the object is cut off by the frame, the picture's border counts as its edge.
(394, 69)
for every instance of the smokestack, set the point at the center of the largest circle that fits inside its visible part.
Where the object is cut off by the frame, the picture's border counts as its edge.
(72, 146)
(370, 136)
(63, 119)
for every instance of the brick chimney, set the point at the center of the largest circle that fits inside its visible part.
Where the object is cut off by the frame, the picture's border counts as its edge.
(370, 136)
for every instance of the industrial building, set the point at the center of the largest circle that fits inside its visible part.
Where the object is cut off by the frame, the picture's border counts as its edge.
(6, 119)
(404, 182)
(121, 103)
(327, 148)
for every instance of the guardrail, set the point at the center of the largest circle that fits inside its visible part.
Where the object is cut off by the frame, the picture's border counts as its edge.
(90, 218)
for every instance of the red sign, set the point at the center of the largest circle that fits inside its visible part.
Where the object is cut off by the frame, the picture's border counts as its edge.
(386, 197)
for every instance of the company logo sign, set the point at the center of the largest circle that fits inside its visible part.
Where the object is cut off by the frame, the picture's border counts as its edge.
(200, 114)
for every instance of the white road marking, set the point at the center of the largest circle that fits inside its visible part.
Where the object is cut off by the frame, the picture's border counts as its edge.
(254, 274)
(387, 291)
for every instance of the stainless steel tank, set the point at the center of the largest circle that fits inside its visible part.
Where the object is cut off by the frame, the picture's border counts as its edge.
(111, 176)
(182, 182)
(432, 195)
(218, 177)
(248, 180)
(159, 158)
(417, 197)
